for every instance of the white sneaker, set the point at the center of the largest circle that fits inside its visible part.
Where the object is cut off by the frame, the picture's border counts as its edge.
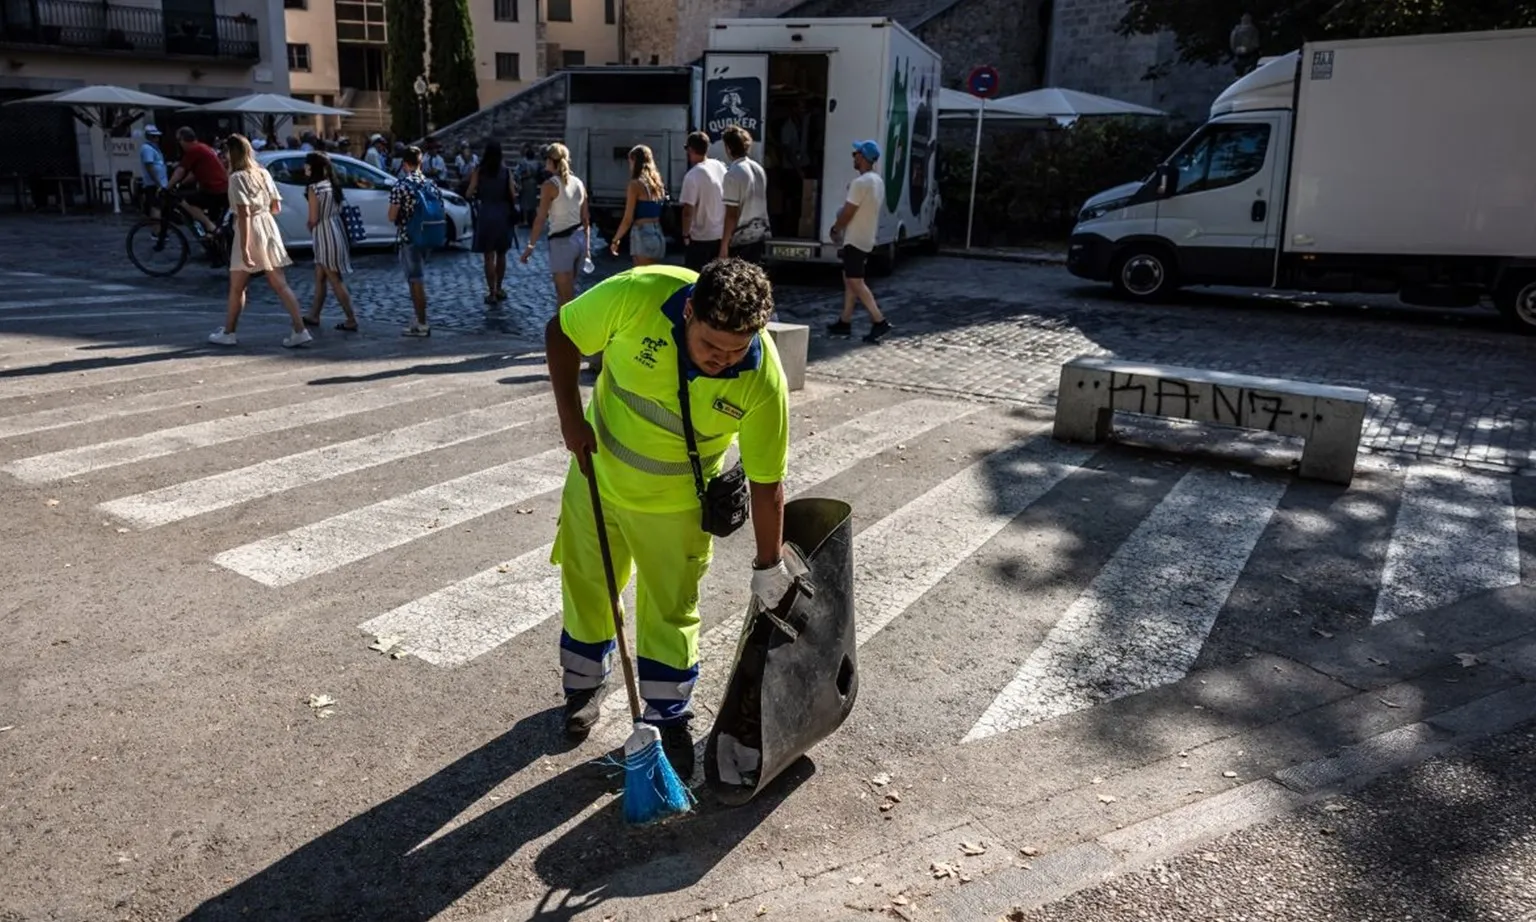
(220, 338)
(300, 338)
(418, 330)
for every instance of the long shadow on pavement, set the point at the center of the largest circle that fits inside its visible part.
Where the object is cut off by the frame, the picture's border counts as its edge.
(375, 866)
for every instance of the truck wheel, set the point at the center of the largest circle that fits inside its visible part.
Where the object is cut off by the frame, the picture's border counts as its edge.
(882, 262)
(1144, 273)
(1516, 300)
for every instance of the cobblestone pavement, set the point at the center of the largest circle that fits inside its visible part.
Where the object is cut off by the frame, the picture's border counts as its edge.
(1451, 386)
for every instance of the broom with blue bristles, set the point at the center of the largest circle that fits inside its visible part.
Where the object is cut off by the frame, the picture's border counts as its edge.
(652, 790)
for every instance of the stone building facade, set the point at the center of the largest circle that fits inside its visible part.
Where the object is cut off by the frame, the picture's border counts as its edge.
(676, 31)
(1085, 53)
(1032, 43)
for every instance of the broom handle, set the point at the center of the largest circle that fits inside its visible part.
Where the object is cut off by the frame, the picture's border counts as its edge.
(613, 593)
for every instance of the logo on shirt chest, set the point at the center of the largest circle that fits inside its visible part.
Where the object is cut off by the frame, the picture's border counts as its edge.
(722, 405)
(647, 354)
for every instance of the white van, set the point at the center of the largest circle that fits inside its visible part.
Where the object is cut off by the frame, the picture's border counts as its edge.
(807, 90)
(1398, 165)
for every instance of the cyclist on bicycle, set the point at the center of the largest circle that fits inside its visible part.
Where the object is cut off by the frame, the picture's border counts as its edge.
(200, 163)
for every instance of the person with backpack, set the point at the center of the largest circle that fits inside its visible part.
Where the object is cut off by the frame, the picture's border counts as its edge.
(421, 225)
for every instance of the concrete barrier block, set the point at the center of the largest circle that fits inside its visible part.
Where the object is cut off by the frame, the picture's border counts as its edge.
(1333, 445)
(793, 341)
(1083, 408)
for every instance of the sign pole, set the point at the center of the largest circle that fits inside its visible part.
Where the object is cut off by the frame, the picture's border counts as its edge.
(983, 82)
(970, 218)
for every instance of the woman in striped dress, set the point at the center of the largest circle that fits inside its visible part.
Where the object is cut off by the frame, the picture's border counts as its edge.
(329, 232)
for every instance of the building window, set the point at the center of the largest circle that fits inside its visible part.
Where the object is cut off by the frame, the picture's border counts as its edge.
(573, 58)
(360, 21)
(559, 10)
(295, 4)
(508, 66)
(610, 15)
(506, 10)
(298, 57)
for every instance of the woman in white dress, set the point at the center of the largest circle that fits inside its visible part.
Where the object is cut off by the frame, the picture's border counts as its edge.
(258, 245)
(328, 230)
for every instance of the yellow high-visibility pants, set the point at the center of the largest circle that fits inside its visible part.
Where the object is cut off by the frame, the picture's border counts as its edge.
(669, 554)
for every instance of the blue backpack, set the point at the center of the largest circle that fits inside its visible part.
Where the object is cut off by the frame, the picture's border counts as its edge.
(427, 226)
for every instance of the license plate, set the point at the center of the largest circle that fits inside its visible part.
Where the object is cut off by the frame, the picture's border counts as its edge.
(789, 252)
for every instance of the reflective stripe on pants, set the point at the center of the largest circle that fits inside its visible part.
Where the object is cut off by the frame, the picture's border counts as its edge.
(669, 555)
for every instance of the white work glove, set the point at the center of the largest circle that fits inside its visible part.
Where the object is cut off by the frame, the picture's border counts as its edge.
(772, 585)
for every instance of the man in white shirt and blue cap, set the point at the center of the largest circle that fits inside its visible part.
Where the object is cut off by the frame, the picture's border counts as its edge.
(152, 164)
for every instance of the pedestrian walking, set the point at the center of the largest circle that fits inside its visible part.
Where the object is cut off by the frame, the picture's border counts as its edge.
(688, 346)
(530, 179)
(858, 221)
(643, 202)
(745, 191)
(328, 234)
(258, 244)
(494, 191)
(703, 204)
(416, 210)
(563, 211)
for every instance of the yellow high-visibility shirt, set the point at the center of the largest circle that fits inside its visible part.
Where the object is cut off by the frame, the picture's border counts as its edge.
(635, 319)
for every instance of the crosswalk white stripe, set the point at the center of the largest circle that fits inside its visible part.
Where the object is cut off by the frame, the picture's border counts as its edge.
(137, 300)
(454, 625)
(81, 413)
(164, 312)
(898, 559)
(72, 462)
(361, 533)
(173, 364)
(266, 478)
(70, 351)
(1143, 619)
(1456, 534)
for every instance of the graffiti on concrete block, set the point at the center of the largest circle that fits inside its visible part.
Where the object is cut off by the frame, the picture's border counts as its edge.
(1226, 404)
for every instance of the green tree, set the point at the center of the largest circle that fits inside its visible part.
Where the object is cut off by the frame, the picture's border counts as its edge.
(1203, 28)
(453, 62)
(405, 20)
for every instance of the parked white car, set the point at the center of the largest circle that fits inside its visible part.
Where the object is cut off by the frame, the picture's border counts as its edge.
(364, 186)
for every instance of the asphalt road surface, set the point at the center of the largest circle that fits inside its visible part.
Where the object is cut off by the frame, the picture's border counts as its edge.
(200, 540)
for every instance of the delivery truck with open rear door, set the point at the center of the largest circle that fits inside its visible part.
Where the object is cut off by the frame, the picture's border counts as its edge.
(807, 90)
(1402, 165)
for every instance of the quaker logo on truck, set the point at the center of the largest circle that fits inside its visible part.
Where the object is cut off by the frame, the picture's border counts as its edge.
(733, 101)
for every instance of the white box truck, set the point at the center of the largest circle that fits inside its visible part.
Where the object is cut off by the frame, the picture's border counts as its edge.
(807, 89)
(610, 109)
(1397, 165)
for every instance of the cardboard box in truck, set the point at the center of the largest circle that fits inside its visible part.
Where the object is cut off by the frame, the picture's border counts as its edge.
(1395, 165)
(807, 90)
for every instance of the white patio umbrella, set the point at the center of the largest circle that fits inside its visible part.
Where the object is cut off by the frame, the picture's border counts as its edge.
(100, 105)
(268, 104)
(1061, 103)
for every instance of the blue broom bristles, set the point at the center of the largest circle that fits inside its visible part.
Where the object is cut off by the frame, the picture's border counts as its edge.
(652, 789)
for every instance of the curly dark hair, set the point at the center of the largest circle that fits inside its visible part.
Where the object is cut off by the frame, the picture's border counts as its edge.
(733, 296)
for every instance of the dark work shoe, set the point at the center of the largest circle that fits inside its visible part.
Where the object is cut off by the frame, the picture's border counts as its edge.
(839, 329)
(677, 744)
(581, 711)
(877, 331)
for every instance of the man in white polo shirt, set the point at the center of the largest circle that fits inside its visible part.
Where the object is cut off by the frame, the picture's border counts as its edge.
(703, 204)
(854, 231)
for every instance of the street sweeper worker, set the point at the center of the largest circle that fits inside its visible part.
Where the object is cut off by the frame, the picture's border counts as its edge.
(659, 326)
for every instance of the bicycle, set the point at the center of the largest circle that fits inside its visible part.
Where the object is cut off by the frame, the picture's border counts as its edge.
(167, 236)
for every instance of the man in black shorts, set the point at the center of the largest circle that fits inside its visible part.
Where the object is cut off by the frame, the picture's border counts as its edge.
(854, 231)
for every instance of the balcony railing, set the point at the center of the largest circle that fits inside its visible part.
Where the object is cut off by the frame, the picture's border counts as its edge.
(85, 25)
